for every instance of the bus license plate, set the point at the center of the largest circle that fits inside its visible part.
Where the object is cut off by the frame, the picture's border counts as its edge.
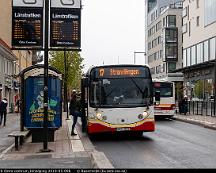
(122, 129)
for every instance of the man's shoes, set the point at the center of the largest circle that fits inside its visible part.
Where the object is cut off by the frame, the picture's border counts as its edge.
(73, 134)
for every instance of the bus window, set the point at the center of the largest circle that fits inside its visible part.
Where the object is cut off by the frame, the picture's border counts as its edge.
(121, 92)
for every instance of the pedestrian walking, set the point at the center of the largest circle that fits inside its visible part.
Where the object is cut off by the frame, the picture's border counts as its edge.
(75, 110)
(3, 111)
(17, 106)
(183, 105)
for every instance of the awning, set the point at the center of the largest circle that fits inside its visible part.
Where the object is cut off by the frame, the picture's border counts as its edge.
(195, 67)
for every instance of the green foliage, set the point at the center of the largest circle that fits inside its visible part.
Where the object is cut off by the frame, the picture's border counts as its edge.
(199, 89)
(73, 66)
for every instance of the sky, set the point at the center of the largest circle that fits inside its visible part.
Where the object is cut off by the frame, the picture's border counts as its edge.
(111, 31)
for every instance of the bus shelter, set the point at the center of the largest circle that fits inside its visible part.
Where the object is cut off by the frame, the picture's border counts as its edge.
(32, 101)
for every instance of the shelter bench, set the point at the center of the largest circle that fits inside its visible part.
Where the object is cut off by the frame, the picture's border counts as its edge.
(19, 137)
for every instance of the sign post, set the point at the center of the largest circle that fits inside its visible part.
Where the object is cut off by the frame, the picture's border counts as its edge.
(46, 66)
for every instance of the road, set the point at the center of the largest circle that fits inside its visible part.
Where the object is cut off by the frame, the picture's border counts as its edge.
(174, 144)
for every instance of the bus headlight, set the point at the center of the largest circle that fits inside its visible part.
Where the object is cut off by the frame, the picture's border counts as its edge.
(143, 115)
(99, 116)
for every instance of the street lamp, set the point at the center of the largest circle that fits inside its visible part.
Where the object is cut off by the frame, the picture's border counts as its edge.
(144, 53)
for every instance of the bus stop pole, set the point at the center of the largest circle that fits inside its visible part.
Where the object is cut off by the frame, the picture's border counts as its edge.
(66, 84)
(46, 66)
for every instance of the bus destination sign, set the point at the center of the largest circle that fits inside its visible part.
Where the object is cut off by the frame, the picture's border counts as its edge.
(65, 27)
(115, 72)
(27, 27)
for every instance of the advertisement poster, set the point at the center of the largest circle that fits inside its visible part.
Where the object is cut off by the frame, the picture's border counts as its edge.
(34, 102)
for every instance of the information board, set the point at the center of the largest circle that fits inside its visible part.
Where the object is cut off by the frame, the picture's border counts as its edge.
(27, 27)
(65, 27)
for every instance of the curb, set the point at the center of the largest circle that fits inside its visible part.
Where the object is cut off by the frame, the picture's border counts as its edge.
(213, 127)
(100, 161)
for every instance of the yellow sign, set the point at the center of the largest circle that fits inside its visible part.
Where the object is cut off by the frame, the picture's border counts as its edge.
(102, 72)
(124, 72)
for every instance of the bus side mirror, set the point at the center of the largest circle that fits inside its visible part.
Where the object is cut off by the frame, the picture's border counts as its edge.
(157, 97)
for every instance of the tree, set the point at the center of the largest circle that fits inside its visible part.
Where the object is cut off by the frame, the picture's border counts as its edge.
(73, 66)
(199, 89)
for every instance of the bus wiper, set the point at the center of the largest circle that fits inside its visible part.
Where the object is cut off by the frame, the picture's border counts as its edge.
(138, 87)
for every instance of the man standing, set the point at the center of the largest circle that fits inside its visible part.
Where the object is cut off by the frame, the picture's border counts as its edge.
(3, 110)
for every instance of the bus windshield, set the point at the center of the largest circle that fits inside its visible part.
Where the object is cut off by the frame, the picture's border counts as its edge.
(166, 89)
(120, 92)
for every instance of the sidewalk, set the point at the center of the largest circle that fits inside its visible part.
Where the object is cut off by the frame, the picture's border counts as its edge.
(202, 120)
(67, 152)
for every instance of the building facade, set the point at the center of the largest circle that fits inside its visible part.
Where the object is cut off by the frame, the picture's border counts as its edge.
(11, 62)
(164, 41)
(199, 48)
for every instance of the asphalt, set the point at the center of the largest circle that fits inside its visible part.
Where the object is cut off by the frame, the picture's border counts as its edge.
(73, 152)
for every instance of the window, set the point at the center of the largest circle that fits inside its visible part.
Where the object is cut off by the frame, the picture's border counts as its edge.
(164, 22)
(189, 29)
(185, 58)
(150, 58)
(198, 21)
(171, 20)
(199, 53)
(153, 16)
(184, 12)
(171, 66)
(158, 26)
(188, 12)
(161, 53)
(209, 11)
(171, 51)
(5, 67)
(188, 57)
(193, 55)
(171, 35)
(206, 51)
(152, 70)
(154, 43)
(212, 48)
(149, 45)
(197, 3)
(166, 89)
(159, 40)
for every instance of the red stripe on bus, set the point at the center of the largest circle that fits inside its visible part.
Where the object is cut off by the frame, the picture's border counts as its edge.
(165, 107)
(147, 126)
(98, 128)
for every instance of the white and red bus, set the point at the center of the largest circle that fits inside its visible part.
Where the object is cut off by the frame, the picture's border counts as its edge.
(118, 98)
(166, 107)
